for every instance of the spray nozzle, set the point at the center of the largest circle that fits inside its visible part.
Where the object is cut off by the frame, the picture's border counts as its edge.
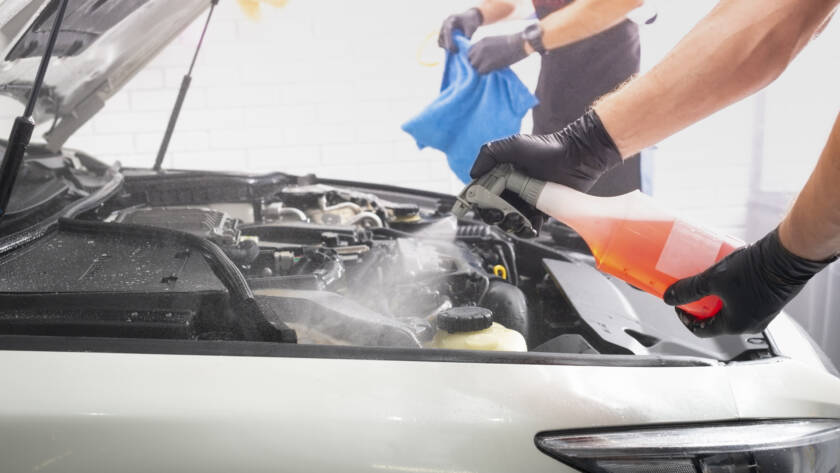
(502, 197)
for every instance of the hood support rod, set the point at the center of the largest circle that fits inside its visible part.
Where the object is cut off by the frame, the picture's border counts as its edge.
(24, 125)
(182, 94)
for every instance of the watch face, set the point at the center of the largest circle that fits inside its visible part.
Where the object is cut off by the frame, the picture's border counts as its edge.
(533, 34)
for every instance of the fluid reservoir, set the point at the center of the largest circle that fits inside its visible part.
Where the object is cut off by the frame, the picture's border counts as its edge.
(472, 328)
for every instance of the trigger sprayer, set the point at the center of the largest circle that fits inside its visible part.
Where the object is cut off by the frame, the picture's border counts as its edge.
(630, 236)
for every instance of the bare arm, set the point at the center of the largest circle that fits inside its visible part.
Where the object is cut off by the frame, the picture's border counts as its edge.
(812, 227)
(740, 47)
(582, 19)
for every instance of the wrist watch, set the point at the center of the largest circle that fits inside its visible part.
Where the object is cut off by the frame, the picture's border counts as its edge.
(533, 35)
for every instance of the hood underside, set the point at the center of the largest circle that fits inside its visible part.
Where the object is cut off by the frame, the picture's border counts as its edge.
(101, 46)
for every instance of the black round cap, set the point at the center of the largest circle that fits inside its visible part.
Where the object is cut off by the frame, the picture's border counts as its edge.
(404, 210)
(465, 319)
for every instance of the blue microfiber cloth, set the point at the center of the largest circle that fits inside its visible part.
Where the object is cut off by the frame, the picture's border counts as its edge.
(471, 110)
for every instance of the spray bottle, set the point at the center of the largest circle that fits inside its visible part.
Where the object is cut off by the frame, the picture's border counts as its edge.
(630, 236)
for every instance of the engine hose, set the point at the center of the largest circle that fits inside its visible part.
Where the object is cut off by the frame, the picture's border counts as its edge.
(322, 203)
(509, 306)
(509, 260)
(370, 216)
(273, 211)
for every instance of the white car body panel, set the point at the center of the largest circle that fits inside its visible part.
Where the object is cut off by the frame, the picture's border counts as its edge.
(87, 412)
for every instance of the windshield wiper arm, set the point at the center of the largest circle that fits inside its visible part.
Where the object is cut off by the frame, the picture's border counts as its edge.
(24, 125)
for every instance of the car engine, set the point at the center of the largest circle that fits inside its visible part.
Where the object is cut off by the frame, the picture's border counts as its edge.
(188, 255)
(334, 266)
(337, 271)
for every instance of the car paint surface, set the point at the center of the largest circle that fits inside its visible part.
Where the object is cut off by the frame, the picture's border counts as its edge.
(85, 412)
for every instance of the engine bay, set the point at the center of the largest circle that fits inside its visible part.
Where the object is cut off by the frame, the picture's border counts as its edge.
(296, 259)
(341, 267)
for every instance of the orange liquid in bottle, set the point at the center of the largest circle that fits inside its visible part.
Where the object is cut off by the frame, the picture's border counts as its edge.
(636, 241)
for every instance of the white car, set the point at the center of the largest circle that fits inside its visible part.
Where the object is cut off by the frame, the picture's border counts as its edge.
(188, 321)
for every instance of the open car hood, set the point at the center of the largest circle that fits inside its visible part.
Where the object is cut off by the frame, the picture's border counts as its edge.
(101, 46)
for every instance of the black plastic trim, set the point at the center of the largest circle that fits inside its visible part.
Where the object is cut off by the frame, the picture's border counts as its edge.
(386, 188)
(28, 235)
(276, 350)
(225, 269)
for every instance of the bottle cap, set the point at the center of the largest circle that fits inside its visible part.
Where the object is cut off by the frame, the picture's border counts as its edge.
(465, 319)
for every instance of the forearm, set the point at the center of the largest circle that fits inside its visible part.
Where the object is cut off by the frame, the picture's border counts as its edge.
(497, 10)
(740, 47)
(582, 19)
(812, 227)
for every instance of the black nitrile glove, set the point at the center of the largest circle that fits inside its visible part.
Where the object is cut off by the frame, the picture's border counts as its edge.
(575, 156)
(754, 282)
(467, 22)
(496, 52)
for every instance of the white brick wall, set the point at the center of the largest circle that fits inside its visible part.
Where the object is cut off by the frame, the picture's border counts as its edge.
(323, 86)
(317, 86)
(801, 108)
(712, 170)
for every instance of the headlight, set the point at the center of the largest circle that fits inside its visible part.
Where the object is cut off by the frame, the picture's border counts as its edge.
(784, 446)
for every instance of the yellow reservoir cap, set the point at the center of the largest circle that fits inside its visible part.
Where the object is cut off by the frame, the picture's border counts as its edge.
(494, 338)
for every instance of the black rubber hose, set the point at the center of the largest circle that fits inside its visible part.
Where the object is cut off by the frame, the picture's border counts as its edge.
(509, 306)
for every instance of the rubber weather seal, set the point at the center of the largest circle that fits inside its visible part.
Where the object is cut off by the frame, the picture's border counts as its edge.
(281, 350)
(110, 189)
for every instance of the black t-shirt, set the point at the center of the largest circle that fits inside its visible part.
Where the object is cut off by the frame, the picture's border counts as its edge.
(544, 7)
(574, 76)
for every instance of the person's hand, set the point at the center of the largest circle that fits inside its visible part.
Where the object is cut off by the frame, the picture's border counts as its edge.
(496, 52)
(467, 22)
(754, 283)
(575, 156)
